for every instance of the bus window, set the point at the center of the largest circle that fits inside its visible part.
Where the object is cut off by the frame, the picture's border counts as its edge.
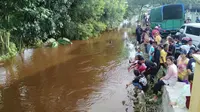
(172, 12)
(193, 31)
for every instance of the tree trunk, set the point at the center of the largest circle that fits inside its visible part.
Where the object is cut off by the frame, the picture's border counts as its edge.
(7, 38)
(5, 42)
(2, 43)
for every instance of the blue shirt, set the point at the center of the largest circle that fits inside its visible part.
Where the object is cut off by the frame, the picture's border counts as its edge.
(139, 53)
(178, 46)
(151, 51)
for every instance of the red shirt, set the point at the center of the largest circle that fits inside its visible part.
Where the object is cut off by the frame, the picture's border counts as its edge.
(142, 67)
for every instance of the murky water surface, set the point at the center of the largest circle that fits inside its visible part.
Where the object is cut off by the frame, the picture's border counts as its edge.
(89, 76)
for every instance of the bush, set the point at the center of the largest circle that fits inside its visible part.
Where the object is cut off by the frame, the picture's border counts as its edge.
(38, 43)
(85, 31)
(11, 53)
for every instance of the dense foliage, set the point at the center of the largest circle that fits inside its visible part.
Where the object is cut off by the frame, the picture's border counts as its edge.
(31, 22)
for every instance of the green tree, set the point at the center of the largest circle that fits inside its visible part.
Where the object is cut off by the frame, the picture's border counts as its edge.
(85, 15)
(34, 21)
(135, 7)
(114, 12)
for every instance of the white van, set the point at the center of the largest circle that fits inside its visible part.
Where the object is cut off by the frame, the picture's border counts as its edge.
(192, 30)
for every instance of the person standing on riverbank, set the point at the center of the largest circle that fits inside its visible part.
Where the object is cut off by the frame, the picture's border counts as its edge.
(163, 56)
(139, 31)
(151, 51)
(172, 48)
(146, 40)
(156, 55)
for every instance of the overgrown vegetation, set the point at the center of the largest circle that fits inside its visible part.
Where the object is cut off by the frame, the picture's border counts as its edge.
(7, 48)
(32, 22)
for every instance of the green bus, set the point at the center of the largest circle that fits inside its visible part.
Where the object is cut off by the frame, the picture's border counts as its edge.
(169, 17)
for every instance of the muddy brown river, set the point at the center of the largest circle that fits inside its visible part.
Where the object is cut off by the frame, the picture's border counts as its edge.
(88, 76)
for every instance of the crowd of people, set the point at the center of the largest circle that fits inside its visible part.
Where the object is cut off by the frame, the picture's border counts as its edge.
(188, 20)
(174, 55)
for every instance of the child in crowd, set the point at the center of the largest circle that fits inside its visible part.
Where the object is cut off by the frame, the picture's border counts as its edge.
(184, 98)
(134, 60)
(182, 63)
(139, 82)
(169, 79)
(150, 70)
(158, 38)
(133, 63)
(139, 52)
(141, 67)
(163, 56)
(151, 51)
(138, 65)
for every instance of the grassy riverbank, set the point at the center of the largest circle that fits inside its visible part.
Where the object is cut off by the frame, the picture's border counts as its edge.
(149, 105)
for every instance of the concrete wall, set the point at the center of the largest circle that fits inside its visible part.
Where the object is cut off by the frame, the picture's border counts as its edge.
(195, 99)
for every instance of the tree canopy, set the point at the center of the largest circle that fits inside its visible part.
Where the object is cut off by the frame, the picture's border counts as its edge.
(30, 21)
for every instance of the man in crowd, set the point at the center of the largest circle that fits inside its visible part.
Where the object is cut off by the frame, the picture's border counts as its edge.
(188, 46)
(156, 56)
(139, 32)
(172, 48)
(191, 63)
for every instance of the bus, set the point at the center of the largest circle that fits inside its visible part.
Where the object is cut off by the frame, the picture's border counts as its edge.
(170, 17)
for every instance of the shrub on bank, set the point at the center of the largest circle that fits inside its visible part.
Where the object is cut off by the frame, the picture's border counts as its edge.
(10, 54)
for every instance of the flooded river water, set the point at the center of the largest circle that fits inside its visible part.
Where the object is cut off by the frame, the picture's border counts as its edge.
(88, 76)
